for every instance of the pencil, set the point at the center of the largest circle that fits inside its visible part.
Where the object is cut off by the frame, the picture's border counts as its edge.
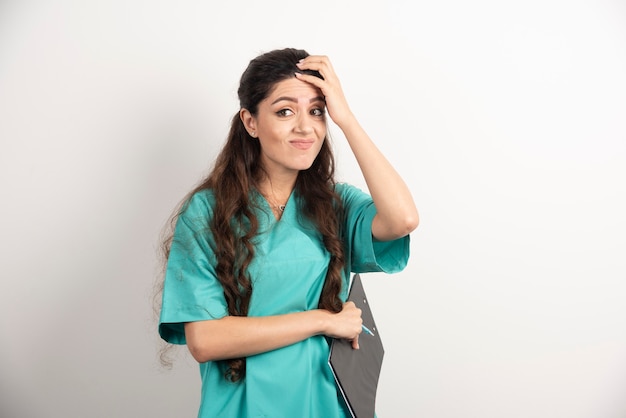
(367, 330)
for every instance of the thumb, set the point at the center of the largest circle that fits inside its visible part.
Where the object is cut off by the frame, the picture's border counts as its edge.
(355, 343)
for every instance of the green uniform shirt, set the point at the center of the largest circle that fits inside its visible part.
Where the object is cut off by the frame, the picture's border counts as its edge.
(287, 274)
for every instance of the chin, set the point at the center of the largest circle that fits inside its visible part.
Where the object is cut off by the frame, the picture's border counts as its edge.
(303, 165)
(307, 166)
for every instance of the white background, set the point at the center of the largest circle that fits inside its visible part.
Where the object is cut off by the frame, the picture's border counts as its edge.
(507, 120)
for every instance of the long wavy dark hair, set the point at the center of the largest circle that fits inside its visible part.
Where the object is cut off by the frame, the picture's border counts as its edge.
(237, 171)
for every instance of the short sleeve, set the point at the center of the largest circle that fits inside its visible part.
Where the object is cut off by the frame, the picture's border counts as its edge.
(366, 253)
(191, 291)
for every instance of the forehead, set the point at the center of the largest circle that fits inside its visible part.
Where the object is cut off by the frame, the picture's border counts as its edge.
(294, 89)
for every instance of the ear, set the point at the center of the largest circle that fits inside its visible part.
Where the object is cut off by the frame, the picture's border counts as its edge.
(248, 122)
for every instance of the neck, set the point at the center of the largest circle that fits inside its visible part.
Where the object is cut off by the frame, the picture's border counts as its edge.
(277, 190)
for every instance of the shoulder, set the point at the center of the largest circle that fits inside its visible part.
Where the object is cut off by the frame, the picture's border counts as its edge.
(198, 206)
(350, 193)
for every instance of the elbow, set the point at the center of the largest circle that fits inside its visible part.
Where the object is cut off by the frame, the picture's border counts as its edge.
(411, 222)
(201, 348)
(200, 353)
(206, 352)
(398, 228)
(407, 225)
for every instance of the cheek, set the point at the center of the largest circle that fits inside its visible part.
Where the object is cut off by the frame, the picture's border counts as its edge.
(321, 129)
(319, 147)
(276, 131)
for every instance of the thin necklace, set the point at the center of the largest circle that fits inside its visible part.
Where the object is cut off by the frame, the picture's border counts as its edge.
(281, 208)
(278, 211)
(274, 206)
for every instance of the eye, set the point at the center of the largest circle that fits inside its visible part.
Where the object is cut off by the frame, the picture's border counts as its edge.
(284, 112)
(318, 112)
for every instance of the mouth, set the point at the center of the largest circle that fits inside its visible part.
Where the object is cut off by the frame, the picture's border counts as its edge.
(302, 144)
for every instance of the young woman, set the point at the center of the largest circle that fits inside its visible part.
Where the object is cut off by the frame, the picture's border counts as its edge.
(259, 264)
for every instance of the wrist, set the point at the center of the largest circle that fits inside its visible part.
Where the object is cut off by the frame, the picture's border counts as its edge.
(321, 321)
(347, 121)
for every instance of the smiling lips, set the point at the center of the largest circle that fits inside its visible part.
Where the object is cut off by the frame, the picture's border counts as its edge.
(302, 144)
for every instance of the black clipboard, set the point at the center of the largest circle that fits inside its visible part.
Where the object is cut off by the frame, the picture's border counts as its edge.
(357, 371)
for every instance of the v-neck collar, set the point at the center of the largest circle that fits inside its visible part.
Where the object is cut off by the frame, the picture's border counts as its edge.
(264, 204)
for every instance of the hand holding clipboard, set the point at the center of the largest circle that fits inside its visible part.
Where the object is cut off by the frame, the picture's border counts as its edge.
(357, 371)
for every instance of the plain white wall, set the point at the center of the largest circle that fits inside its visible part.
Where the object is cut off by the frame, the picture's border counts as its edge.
(507, 120)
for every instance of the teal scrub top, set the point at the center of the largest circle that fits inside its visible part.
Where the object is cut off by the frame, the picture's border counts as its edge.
(287, 274)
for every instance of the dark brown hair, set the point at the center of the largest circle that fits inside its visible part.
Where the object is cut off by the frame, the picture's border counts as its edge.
(237, 171)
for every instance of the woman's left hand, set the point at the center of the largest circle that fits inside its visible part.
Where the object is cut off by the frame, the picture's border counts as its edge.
(336, 103)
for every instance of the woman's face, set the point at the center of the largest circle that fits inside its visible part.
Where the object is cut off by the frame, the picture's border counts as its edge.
(290, 125)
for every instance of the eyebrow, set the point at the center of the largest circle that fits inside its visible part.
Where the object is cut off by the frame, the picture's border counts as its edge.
(294, 100)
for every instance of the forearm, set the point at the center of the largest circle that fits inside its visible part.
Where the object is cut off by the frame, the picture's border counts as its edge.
(396, 211)
(233, 337)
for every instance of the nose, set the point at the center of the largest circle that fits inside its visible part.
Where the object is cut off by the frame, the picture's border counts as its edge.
(304, 124)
